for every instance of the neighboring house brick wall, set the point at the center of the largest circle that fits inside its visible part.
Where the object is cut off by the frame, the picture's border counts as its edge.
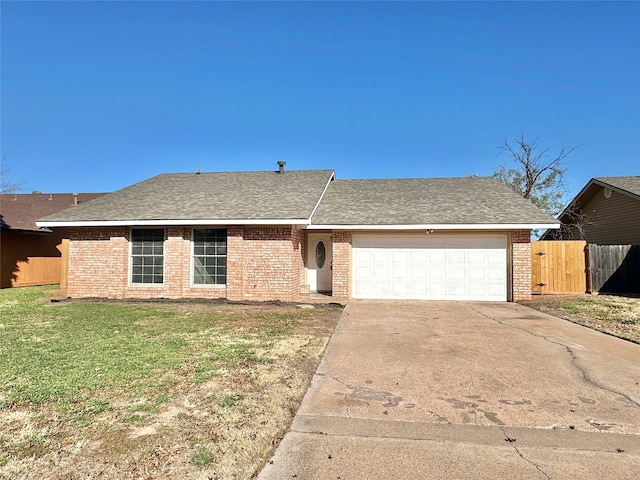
(263, 263)
(341, 273)
(521, 265)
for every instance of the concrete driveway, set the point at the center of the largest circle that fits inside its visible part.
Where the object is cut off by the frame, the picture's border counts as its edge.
(444, 390)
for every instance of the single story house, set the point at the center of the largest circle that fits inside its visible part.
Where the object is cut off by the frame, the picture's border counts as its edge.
(605, 212)
(31, 255)
(274, 234)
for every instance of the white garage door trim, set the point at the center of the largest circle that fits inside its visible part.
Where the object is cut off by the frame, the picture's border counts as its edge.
(430, 267)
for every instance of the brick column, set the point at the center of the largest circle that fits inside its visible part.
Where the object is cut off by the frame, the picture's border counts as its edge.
(521, 265)
(341, 273)
(177, 257)
(235, 263)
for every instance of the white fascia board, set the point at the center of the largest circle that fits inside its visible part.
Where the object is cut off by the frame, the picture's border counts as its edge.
(167, 223)
(468, 226)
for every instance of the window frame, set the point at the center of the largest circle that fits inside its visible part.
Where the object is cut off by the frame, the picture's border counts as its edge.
(131, 256)
(193, 258)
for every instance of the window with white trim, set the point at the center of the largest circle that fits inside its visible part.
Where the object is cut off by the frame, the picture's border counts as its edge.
(147, 255)
(209, 256)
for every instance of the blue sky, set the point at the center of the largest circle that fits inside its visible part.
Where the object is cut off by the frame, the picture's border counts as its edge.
(99, 95)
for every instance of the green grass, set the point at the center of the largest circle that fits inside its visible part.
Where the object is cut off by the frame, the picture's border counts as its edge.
(78, 353)
(203, 457)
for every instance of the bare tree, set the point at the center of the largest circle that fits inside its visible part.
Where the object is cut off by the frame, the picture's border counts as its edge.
(6, 184)
(574, 225)
(537, 175)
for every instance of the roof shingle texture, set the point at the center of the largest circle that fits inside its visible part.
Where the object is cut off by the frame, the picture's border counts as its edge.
(630, 184)
(426, 201)
(19, 211)
(208, 196)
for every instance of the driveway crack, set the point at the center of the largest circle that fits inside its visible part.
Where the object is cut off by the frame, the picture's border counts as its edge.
(574, 360)
(512, 442)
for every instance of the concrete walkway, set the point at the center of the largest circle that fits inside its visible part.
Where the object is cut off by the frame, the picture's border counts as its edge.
(444, 390)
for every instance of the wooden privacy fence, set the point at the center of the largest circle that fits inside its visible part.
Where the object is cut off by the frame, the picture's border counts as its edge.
(558, 267)
(613, 268)
(575, 267)
(37, 271)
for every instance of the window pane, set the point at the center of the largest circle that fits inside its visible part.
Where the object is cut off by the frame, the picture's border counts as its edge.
(209, 255)
(147, 250)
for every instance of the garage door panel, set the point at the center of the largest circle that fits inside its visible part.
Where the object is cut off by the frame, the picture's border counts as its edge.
(495, 257)
(381, 256)
(476, 257)
(437, 267)
(381, 289)
(418, 256)
(381, 273)
(495, 274)
(418, 289)
(418, 274)
(362, 273)
(437, 256)
(399, 256)
(362, 256)
(456, 257)
(476, 290)
(435, 274)
(436, 291)
(476, 274)
(456, 273)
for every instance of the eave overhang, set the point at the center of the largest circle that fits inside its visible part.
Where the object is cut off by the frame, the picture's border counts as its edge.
(440, 226)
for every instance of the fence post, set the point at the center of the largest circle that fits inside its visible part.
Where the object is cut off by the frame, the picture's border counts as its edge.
(587, 270)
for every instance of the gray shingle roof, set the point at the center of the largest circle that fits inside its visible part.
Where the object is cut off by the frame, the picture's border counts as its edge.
(629, 184)
(208, 196)
(426, 201)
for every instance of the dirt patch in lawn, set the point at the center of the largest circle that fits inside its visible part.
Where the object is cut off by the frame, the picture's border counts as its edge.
(217, 412)
(615, 315)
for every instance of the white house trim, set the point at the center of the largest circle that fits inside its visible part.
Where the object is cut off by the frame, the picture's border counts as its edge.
(165, 223)
(438, 226)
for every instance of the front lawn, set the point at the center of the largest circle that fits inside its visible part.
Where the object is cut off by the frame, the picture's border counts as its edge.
(117, 390)
(616, 315)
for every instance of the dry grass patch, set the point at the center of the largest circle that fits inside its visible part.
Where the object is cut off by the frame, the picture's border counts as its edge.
(117, 390)
(615, 315)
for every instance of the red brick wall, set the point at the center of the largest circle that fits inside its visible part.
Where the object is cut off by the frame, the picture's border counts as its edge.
(263, 263)
(341, 273)
(268, 262)
(98, 262)
(521, 265)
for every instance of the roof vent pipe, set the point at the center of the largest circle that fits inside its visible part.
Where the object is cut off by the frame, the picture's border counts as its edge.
(75, 199)
(281, 165)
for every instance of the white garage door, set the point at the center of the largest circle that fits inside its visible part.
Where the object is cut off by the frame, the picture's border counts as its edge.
(430, 267)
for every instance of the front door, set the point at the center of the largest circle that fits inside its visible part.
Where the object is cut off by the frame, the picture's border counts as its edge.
(319, 260)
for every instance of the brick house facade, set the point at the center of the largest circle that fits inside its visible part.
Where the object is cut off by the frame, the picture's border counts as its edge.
(260, 236)
(99, 265)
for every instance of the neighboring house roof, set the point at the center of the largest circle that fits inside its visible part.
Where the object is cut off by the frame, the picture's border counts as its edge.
(425, 202)
(189, 198)
(629, 186)
(19, 211)
(311, 198)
